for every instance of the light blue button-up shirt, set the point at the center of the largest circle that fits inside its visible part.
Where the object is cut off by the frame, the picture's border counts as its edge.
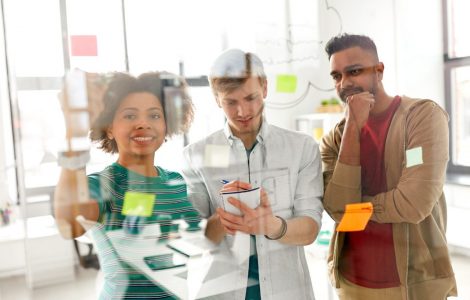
(287, 165)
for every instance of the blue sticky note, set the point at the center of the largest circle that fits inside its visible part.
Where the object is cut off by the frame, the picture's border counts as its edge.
(414, 157)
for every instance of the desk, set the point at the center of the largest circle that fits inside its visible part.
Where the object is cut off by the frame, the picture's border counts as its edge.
(197, 279)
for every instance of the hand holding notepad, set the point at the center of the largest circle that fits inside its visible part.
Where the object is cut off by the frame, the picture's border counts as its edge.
(355, 217)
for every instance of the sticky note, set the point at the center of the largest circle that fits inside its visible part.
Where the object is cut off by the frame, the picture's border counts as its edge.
(83, 45)
(79, 123)
(355, 217)
(76, 89)
(414, 157)
(138, 204)
(286, 83)
(216, 156)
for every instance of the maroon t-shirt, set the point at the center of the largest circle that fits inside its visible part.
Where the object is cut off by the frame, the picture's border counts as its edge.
(368, 257)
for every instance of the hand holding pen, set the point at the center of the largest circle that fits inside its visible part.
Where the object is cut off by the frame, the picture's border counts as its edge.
(233, 186)
(259, 220)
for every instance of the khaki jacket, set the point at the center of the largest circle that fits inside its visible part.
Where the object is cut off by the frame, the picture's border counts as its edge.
(414, 202)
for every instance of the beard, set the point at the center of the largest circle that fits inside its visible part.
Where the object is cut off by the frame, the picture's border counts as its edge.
(257, 115)
(254, 126)
(260, 112)
(345, 93)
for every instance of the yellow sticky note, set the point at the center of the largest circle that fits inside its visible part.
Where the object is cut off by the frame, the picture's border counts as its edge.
(286, 83)
(414, 157)
(138, 204)
(355, 217)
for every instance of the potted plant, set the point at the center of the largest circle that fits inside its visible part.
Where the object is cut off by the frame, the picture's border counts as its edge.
(330, 105)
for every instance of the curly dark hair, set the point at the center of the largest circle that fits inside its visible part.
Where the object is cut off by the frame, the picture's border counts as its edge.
(345, 41)
(178, 111)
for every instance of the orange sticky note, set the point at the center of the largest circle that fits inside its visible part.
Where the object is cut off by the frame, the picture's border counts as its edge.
(355, 217)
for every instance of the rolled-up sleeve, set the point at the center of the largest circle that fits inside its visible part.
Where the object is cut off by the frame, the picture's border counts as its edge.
(309, 189)
(342, 182)
(197, 191)
(344, 187)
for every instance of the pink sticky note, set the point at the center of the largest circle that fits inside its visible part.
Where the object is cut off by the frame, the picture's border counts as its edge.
(83, 45)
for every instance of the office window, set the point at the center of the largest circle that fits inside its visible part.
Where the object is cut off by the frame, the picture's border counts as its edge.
(41, 131)
(38, 59)
(34, 37)
(96, 45)
(34, 42)
(457, 81)
(160, 34)
(460, 79)
(458, 22)
(138, 35)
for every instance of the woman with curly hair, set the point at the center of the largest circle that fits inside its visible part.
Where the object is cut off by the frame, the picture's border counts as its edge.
(138, 114)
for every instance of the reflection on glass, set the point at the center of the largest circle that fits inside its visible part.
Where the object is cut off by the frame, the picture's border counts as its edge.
(317, 134)
(208, 117)
(162, 33)
(41, 133)
(131, 207)
(461, 113)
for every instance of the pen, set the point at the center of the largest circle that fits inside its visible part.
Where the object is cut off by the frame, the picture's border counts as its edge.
(225, 181)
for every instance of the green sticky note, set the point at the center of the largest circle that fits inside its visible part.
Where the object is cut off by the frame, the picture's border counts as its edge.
(414, 157)
(138, 204)
(286, 83)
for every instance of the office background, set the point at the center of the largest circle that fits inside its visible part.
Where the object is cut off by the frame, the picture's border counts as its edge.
(422, 43)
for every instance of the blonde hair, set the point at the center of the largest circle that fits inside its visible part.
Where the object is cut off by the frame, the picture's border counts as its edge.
(233, 68)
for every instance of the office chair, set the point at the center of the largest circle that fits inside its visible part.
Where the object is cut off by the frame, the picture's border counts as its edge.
(90, 259)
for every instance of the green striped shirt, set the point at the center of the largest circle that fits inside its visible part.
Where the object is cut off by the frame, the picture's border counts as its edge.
(108, 188)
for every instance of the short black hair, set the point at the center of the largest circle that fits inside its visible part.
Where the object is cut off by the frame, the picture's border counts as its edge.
(345, 41)
(178, 112)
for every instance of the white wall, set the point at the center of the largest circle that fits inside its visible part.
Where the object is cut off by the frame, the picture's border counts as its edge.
(295, 36)
(420, 58)
(411, 50)
(372, 18)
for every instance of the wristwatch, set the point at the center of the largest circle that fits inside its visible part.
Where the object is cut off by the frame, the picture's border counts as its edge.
(73, 160)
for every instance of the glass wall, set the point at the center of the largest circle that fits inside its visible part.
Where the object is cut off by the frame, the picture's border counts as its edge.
(36, 64)
(51, 37)
(96, 35)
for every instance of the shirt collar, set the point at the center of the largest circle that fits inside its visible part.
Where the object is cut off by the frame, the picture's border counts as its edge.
(260, 137)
